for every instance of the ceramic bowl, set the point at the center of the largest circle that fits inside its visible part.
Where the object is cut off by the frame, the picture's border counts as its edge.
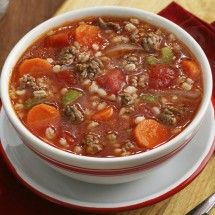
(105, 170)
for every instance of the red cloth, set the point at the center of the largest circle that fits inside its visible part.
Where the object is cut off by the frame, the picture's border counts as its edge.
(213, 25)
(15, 199)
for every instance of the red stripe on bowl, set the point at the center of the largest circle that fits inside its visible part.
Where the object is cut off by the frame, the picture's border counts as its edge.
(108, 172)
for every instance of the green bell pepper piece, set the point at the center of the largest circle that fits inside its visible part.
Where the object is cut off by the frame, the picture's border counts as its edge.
(70, 96)
(166, 55)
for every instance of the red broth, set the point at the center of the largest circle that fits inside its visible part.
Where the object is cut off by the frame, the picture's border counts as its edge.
(106, 87)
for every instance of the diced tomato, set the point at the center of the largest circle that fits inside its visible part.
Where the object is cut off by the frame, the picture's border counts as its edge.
(88, 34)
(59, 39)
(161, 76)
(66, 77)
(113, 81)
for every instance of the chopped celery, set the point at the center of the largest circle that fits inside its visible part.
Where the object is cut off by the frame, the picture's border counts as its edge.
(152, 60)
(166, 55)
(149, 98)
(29, 103)
(70, 96)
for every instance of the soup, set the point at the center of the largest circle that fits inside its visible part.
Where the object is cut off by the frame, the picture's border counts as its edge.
(106, 87)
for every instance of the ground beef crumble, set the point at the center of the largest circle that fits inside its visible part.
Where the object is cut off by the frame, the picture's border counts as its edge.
(86, 64)
(127, 99)
(68, 55)
(92, 144)
(90, 68)
(151, 42)
(29, 82)
(73, 113)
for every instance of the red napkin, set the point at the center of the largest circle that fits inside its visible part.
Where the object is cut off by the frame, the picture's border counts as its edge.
(18, 200)
(213, 25)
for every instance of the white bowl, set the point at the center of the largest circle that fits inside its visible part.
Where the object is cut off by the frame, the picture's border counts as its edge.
(105, 170)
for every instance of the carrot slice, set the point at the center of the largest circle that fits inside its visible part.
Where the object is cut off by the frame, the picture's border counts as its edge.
(150, 133)
(191, 68)
(103, 115)
(60, 39)
(87, 34)
(41, 116)
(35, 67)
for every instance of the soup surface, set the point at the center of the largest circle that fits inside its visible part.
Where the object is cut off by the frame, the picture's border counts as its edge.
(106, 87)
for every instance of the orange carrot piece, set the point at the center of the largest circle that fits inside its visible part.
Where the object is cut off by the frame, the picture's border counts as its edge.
(191, 68)
(60, 39)
(35, 67)
(87, 34)
(150, 133)
(103, 115)
(42, 115)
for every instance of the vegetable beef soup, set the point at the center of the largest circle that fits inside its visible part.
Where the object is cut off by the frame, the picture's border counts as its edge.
(106, 87)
